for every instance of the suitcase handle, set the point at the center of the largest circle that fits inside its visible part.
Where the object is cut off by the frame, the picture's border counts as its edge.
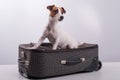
(23, 62)
(72, 62)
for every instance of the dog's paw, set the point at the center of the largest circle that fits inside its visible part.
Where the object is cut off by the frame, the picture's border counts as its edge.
(81, 43)
(54, 48)
(31, 48)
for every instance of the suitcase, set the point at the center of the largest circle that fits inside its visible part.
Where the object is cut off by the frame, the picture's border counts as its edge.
(45, 62)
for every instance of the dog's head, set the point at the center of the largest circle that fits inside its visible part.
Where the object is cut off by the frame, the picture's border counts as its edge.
(56, 12)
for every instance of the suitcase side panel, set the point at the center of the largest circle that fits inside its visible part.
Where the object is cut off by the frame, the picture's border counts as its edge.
(45, 65)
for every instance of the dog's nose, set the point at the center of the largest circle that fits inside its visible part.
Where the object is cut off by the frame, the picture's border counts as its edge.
(61, 18)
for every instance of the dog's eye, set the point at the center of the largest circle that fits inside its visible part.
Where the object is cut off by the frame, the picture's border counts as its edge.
(55, 11)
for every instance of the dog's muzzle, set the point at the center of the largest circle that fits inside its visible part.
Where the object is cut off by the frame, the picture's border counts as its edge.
(61, 18)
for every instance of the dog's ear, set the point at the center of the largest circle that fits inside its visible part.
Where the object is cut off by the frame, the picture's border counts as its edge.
(63, 10)
(50, 7)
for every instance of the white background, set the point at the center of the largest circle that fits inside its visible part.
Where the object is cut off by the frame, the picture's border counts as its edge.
(93, 21)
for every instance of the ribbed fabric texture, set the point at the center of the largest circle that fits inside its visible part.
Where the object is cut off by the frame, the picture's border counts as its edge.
(47, 63)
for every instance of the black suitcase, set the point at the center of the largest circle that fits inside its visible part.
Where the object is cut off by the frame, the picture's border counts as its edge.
(45, 62)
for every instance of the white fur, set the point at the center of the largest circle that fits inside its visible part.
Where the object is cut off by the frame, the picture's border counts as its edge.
(56, 36)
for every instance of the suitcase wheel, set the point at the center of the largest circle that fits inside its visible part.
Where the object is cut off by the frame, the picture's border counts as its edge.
(99, 66)
(25, 75)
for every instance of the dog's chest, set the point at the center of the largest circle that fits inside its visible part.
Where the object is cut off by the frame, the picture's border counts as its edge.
(52, 35)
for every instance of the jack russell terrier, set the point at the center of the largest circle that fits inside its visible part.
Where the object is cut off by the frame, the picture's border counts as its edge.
(55, 35)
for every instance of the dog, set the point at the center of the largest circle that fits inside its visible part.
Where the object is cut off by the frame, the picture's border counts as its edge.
(55, 35)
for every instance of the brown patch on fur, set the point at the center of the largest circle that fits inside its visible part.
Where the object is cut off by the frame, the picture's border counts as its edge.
(52, 14)
(54, 10)
(50, 7)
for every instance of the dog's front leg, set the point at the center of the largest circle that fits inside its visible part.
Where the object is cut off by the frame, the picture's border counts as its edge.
(40, 40)
(55, 44)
